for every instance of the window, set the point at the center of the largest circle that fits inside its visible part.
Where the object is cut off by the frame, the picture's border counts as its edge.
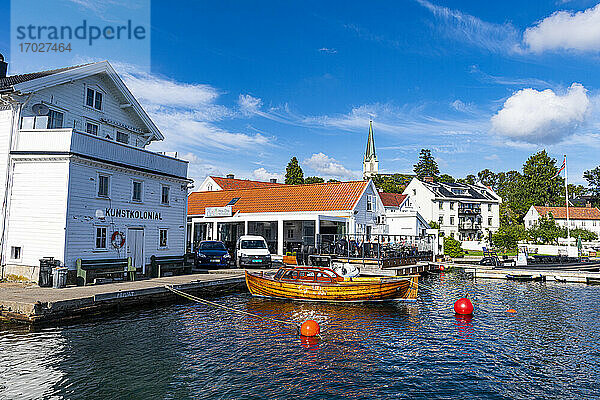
(93, 98)
(103, 185)
(122, 137)
(441, 220)
(441, 205)
(91, 128)
(233, 201)
(452, 235)
(101, 237)
(451, 220)
(136, 195)
(164, 198)
(490, 221)
(55, 119)
(15, 252)
(452, 205)
(369, 203)
(489, 207)
(162, 237)
(290, 234)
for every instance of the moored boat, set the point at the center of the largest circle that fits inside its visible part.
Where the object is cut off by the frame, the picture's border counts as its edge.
(313, 283)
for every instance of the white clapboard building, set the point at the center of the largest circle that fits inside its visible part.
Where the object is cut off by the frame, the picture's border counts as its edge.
(78, 180)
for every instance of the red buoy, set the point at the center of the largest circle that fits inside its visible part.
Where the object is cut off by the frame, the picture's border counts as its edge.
(442, 268)
(309, 328)
(463, 306)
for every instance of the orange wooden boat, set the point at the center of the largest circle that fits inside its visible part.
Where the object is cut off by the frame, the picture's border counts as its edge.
(315, 283)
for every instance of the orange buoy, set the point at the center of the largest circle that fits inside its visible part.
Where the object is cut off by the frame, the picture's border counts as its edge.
(463, 306)
(510, 310)
(310, 328)
(442, 268)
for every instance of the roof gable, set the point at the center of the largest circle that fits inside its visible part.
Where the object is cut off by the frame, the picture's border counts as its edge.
(33, 82)
(392, 199)
(333, 196)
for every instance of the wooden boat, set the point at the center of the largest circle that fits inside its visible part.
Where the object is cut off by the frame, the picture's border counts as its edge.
(313, 283)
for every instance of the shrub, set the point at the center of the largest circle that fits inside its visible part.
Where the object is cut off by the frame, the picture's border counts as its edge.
(452, 247)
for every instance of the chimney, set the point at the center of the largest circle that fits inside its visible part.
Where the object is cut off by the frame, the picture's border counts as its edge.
(588, 204)
(428, 179)
(273, 180)
(3, 67)
(230, 176)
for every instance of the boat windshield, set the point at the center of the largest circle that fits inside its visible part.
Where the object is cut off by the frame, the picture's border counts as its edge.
(253, 244)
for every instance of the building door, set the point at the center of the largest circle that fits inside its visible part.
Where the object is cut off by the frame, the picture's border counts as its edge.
(135, 247)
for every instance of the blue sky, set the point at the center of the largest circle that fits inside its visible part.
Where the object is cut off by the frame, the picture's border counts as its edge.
(243, 86)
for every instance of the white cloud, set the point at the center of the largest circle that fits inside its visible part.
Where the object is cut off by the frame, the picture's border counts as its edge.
(498, 38)
(186, 113)
(461, 106)
(263, 175)
(249, 105)
(327, 50)
(542, 116)
(564, 30)
(329, 167)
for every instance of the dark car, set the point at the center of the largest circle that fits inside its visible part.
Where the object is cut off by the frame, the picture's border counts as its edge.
(212, 253)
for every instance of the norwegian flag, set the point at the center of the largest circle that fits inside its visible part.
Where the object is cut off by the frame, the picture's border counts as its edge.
(564, 164)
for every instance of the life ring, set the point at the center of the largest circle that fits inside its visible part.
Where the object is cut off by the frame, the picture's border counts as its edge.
(117, 239)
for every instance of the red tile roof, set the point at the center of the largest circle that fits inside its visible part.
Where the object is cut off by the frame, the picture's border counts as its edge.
(232, 183)
(574, 212)
(392, 199)
(332, 196)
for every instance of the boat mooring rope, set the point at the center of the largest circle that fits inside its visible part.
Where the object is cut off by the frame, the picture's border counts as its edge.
(211, 303)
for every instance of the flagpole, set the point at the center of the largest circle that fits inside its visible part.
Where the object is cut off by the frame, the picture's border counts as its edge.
(567, 203)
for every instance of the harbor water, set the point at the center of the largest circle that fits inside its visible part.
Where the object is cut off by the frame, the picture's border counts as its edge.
(548, 348)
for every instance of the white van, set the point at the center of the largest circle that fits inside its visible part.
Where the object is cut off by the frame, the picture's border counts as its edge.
(252, 251)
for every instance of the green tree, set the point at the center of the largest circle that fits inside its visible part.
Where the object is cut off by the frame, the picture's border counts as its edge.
(313, 179)
(577, 190)
(452, 247)
(332, 180)
(445, 178)
(426, 166)
(293, 173)
(470, 179)
(540, 184)
(592, 176)
(395, 183)
(508, 236)
(488, 178)
(545, 231)
(584, 234)
(434, 225)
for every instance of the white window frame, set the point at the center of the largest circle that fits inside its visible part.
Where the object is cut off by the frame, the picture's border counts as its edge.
(62, 125)
(141, 182)
(370, 205)
(168, 195)
(12, 257)
(161, 229)
(122, 133)
(489, 207)
(441, 205)
(95, 90)
(93, 124)
(490, 221)
(98, 175)
(96, 227)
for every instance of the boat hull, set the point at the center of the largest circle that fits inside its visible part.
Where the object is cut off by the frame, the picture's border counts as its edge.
(360, 291)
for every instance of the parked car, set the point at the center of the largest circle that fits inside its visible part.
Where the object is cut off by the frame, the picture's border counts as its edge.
(212, 253)
(252, 251)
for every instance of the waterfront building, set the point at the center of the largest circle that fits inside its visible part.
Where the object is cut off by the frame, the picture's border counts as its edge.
(77, 178)
(579, 217)
(287, 216)
(211, 183)
(401, 218)
(370, 162)
(462, 211)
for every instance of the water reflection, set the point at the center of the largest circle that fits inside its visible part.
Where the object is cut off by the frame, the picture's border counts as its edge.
(387, 350)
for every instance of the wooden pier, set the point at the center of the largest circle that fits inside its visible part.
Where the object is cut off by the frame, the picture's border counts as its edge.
(524, 274)
(36, 305)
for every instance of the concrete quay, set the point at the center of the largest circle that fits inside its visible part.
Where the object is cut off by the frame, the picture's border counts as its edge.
(524, 274)
(37, 305)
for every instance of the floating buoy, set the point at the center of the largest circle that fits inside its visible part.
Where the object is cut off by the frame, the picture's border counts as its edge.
(510, 310)
(463, 306)
(442, 268)
(310, 328)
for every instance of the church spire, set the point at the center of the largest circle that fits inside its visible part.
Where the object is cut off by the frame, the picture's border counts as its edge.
(370, 163)
(370, 153)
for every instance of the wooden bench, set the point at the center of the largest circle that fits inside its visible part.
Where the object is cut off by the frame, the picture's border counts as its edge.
(162, 264)
(114, 268)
